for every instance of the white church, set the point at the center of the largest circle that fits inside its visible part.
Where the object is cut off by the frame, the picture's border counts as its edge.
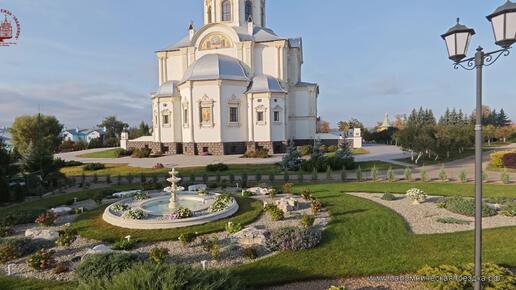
(231, 86)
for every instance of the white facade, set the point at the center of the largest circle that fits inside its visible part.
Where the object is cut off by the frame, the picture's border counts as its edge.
(232, 81)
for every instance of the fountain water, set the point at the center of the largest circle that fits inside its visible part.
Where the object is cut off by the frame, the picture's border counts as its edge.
(173, 188)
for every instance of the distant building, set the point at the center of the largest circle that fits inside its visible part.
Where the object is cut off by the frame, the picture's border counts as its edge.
(355, 138)
(83, 135)
(386, 124)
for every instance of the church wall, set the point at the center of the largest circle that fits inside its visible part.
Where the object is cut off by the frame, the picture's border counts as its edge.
(278, 129)
(303, 113)
(174, 67)
(294, 66)
(232, 96)
(166, 130)
(262, 130)
(266, 60)
(207, 133)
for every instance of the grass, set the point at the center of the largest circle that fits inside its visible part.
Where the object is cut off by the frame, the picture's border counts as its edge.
(364, 238)
(235, 169)
(359, 151)
(91, 225)
(53, 201)
(431, 161)
(11, 283)
(111, 153)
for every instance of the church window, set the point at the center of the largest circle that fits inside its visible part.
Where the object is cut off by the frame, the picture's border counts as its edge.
(166, 120)
(259, 116)
(226, 10)
(233, 114)
(248, 9)
(276, 116)
(185, 116)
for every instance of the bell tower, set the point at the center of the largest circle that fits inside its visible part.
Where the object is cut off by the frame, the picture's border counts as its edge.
(235, 12)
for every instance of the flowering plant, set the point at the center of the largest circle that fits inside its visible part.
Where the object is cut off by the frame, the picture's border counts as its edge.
(134, 214)
(416, 194)
(221, 203)
(232, 228)
(46, 219)
(184, 212)
(140, 196)
(119, 207)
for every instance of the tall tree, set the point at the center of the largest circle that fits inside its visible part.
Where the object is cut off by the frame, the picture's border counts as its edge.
(113, 126)
(26, 129)
(7, 169)
(502, 119)
(144, 129)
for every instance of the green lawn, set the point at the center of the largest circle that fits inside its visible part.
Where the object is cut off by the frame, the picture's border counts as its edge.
(111, 153)
(235, 169)
(10, 283)
(424, 160)
(359, 151)
(365, 238)
(91, 225)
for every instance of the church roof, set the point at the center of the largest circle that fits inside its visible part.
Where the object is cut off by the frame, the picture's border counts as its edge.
(260, 34)
(265, 84)
(216, 67)
(167, 89)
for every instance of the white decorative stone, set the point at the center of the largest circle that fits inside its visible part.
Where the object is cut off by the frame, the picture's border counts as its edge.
(62, 210)
(124, 194)
(44, 234)
(250, 236)
(260, 191)
(287, 204)
(99, 249)
(197, 187)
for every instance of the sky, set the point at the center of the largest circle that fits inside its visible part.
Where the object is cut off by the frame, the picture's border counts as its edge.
(84, 60)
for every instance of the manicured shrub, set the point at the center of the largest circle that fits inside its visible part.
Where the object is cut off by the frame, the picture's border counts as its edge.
(221, 203)
(316, 206)
(306, 194)
(6, 231)
(46, 219)
(232, 227)
(42, 260)
(463, 177)
(181, 213)
(293, 239)
(464, 206)
(391, 177)
(307, 221)
(442, 175)
(424, 175)
(359, 173)
(509, 160)
(509, 209)
(148, 276)
(211, 246)
(408, 174)
(13, 248)
(134, 214)
(287, 187)
(374, 173)
(497, 158)
(66, 236)
(124, 245)
(105, 265)
(94, 166)
(187, 238)
(388, 196)
(246, 193)
(260, 153)
(274, 212)
(505, 177)
(506, 279)
(451, 220)
(141, 153)
(158, 255)
(304, 150)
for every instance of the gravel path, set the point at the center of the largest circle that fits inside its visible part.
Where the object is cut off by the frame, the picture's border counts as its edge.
(362, 283)
(422, 217)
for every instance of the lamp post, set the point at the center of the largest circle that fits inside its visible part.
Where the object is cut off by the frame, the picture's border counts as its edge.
(457, 38)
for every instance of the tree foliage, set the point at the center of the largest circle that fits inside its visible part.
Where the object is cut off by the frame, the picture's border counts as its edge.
(114, 127)
(292, 160)
(26, 129)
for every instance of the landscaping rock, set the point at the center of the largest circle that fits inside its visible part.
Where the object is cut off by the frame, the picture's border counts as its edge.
(44, 234)
(287, 204)
(250, 236)
(260, 191)
(197, 187)
(124, 194)
(62, 210)
(99, 249)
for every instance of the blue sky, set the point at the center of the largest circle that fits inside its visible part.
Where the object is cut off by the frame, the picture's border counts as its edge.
(83, 60)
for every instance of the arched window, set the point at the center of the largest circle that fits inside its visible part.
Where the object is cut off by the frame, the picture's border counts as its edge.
(248, 9)
(226, 10)
(209, 14)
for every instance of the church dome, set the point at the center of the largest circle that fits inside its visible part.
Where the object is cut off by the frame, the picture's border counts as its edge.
(168, 89)
(265, 84)
(216, 67)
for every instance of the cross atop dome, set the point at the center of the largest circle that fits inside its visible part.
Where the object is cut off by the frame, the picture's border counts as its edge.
(235, 12)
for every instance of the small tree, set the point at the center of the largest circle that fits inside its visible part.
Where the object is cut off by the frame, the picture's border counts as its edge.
(292, 160)
(390, 174)
(244, 180)
(359, 173)
(300, 177)
(286, 176)
(505, 177)
(343, 175)
(218, 177)
(328, 173)
(108, 179)
(424, 175)
(408, 174)
(315, 176)
(442, 174)
(374, 173)
(463, 177)
(485, 176)
(231, 178)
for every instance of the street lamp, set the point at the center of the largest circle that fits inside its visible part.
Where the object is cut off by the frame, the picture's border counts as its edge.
(457, 41)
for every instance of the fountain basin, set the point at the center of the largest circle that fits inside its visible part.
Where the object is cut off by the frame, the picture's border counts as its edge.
(158, 212)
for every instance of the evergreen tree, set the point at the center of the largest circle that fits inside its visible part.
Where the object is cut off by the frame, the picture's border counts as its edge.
(502, 119)
(292, 160)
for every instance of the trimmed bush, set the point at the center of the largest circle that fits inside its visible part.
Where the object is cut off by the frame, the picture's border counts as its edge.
(293, 239)
(274, 212)
(509, 160)
(66, 236)
(105, 265)
(509, 209)
(141, 153)
(250, 253)
(451, 220)
(14, 248)
(148, 276)
(307, 221)
(232, 228)
(217, 167)
(42, 260)
(464, 206)
(388, 196)
(260, 153)
(124, 245)
(158, 255)
(94, 166)
(506, 281)
(497, 158)
(187, 238)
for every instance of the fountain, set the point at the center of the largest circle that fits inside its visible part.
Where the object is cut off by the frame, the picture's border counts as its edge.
(173, 188)
(173, 207)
